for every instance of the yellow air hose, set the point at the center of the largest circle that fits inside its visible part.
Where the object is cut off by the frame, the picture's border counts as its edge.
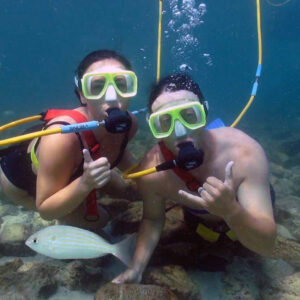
(159, 41)
(29, 136)
(258, 71)
(19, 122)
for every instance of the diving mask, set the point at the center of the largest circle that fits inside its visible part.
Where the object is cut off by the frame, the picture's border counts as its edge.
(94, 85)
(191, 115)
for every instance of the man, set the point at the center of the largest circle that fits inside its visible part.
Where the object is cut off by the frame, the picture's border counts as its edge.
(220, 177)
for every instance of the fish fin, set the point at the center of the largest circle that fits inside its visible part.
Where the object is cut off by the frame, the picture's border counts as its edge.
(124, 249)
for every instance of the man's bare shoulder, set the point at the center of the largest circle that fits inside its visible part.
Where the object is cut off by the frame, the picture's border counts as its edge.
(244, 150)
(235, 138)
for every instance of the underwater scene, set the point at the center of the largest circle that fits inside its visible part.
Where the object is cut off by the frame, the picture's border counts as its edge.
(162, 156)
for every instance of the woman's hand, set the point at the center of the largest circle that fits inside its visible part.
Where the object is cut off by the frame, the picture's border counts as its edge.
(96, 174)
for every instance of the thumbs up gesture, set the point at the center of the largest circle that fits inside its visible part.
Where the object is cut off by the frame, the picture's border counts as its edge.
(96, 173)
(216, 196)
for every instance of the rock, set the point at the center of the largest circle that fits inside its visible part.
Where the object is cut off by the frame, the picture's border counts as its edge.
(241, 281)
(174, 278)
(113, 291)
(287, 250)
(276, 268)
(287, 288)
(115, 206)
(284, 232)
(37, 223)
(185, 253)
(287, 214)
(32, 281)
(12, 240)
(76, 276)
(128, 222)
(174, 224)
(291, 148)
(293, 161)
(277, 156)
(7, 209)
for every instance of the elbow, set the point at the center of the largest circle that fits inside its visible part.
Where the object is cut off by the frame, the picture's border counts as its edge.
(44, 213)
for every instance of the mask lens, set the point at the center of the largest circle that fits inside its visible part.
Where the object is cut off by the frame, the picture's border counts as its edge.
(162, 123)
(191, 115)
(165, 122)
(95, 84)
(124, 83)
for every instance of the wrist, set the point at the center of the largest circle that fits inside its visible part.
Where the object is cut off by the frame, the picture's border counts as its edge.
(137, 268)
(234, 211)
(83, 186)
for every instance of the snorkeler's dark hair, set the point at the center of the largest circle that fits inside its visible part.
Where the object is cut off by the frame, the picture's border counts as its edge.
(173, 83)
(97, 56)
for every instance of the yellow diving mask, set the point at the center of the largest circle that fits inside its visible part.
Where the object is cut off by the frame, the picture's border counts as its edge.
(191, 115)
(95, 84)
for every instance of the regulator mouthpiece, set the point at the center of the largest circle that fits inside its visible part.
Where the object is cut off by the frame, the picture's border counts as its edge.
(189, 157)
(118, 121)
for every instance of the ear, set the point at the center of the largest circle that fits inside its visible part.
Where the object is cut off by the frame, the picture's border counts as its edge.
(82, 99)
(147, 116)
(205, 103)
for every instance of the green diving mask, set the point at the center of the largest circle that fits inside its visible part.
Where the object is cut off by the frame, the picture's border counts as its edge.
(191, 115)
(94, 85)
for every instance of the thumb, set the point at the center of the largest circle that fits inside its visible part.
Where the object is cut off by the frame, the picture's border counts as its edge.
(87, 156)
(228, 173)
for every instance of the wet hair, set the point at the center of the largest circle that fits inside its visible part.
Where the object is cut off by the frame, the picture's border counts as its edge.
(175, 82)
(95, 56)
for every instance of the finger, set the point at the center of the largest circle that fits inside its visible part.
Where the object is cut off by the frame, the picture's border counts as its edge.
(117, 280)
(98, 171)
(103, 176)
(190, 200)
(228, 173)
(211, 189)
(207, 197)
(96, 164)
(102, 161)
(103, 182)
(215, 182)
(86, 155)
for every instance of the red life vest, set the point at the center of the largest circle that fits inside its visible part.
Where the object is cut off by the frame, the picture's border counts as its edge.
(91, 206)
(190, 181)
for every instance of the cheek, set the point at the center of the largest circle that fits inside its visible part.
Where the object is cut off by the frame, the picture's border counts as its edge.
(124, 104)
(96, 108)
(170, 142)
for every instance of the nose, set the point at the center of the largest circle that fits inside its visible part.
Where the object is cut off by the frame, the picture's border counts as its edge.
(180, 130)
(110, 94)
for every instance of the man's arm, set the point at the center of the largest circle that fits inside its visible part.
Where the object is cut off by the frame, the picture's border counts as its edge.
(251, 217)
(253, 220)
(149, 233)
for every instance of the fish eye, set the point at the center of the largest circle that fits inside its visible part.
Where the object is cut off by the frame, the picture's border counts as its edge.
(35, 240)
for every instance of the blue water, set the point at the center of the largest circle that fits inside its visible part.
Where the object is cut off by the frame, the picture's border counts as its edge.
(41, 44)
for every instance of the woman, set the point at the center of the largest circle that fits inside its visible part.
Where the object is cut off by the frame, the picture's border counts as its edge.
(58, 175)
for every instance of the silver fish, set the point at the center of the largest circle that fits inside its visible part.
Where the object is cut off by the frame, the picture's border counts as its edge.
(68, 242)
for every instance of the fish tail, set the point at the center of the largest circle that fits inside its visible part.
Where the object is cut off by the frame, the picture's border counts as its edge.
(124, 249)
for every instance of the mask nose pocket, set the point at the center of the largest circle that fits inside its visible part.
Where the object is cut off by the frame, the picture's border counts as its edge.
(180, 130)
(110, 94)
